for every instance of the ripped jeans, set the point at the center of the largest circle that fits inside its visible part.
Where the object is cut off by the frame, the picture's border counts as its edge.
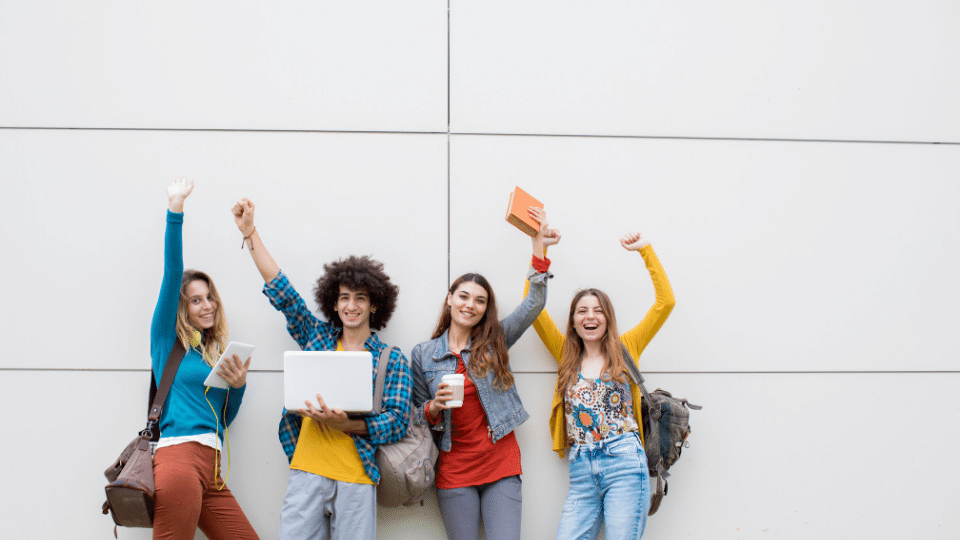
(609, 484)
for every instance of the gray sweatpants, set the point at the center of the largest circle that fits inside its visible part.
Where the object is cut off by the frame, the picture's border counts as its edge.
(499, 503)
(318, 508)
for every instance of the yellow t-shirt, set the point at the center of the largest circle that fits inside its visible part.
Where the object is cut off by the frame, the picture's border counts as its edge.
(329, 453)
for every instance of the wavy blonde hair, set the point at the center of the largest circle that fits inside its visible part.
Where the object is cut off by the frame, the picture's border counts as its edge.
(212, 340)
(614, 364)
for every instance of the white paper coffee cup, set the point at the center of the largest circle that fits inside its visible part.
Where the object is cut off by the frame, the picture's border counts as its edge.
(455, 383)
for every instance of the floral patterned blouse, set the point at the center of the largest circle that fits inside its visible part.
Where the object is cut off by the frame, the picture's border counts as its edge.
(597, 410)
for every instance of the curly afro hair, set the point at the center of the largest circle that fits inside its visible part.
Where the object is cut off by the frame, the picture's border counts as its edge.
(361, 274)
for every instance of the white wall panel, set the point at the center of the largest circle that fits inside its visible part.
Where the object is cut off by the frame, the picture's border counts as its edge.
(832, 259)
(348, 66)
(789, 456)
(85, 212)
(852, 70)
(814, 456)
(53, 463)
(782, 256)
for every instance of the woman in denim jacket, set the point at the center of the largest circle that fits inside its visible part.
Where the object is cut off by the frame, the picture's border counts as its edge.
(478, 475)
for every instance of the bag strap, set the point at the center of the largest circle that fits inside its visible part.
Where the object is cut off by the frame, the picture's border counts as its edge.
(634, 373)
(381, 379)
(158, 394)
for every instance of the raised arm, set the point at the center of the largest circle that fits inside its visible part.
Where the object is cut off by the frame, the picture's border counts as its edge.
(163, 326)
(515, 324)
(300, 322)
(639, 337)
(243, 216)
(545, 236)
(551, 336)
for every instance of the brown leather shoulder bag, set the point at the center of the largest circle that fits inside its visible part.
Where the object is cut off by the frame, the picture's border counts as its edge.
(130, 490)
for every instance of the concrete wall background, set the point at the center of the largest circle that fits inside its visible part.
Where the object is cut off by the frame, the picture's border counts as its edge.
(795, 166)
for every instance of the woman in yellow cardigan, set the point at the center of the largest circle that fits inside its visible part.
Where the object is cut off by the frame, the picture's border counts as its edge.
(596, 411)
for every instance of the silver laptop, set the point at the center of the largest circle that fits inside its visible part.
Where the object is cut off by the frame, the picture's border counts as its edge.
(343, 379)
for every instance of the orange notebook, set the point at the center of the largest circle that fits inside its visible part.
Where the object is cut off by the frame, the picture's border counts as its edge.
(517, 213)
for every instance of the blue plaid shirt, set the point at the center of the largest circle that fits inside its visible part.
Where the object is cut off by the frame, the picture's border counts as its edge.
(312, 334)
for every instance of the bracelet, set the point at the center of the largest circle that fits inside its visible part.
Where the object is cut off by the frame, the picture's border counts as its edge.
(245, 238)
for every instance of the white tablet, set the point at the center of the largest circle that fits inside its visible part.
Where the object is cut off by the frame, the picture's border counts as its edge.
(242, 350)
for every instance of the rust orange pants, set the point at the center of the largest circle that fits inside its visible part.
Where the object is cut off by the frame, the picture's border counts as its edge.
(187, 497)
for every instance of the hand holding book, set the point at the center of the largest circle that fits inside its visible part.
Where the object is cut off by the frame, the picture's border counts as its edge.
(517, 211)
(545, 236)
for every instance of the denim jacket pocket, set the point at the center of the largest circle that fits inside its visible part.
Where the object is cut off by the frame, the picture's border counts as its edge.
(433, 372)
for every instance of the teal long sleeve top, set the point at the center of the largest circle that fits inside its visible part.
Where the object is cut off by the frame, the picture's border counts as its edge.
(186, 411)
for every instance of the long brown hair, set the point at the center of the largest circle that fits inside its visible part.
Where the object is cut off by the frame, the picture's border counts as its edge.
(214, 339)
(488, 346)
(610, 346)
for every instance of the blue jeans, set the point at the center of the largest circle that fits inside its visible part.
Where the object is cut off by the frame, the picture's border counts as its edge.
(609, 483)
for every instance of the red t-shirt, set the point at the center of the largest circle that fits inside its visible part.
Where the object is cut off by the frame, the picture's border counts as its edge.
(473, 459)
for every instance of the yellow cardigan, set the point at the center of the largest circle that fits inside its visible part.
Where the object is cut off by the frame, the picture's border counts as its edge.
(636, 341)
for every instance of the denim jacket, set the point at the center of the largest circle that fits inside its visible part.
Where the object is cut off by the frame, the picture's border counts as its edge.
(431, 360)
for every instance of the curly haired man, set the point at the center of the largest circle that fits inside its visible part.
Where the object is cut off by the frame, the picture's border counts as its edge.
(331, 491)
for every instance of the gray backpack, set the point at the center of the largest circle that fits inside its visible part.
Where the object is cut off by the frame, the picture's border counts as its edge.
(408, 466)
(666, 427)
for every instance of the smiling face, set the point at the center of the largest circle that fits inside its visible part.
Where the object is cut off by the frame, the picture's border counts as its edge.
(201, 305)
(589, 320)
(467, 304)
(353, 307)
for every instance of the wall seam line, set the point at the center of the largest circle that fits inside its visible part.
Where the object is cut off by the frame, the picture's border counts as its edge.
(449, 132)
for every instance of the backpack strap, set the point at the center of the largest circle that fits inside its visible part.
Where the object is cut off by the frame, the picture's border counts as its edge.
(652, 443)
(634, 373)
(381, 378)
(158, 394)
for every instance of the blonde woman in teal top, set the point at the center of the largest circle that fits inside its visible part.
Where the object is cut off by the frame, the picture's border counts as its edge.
(190, 493)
